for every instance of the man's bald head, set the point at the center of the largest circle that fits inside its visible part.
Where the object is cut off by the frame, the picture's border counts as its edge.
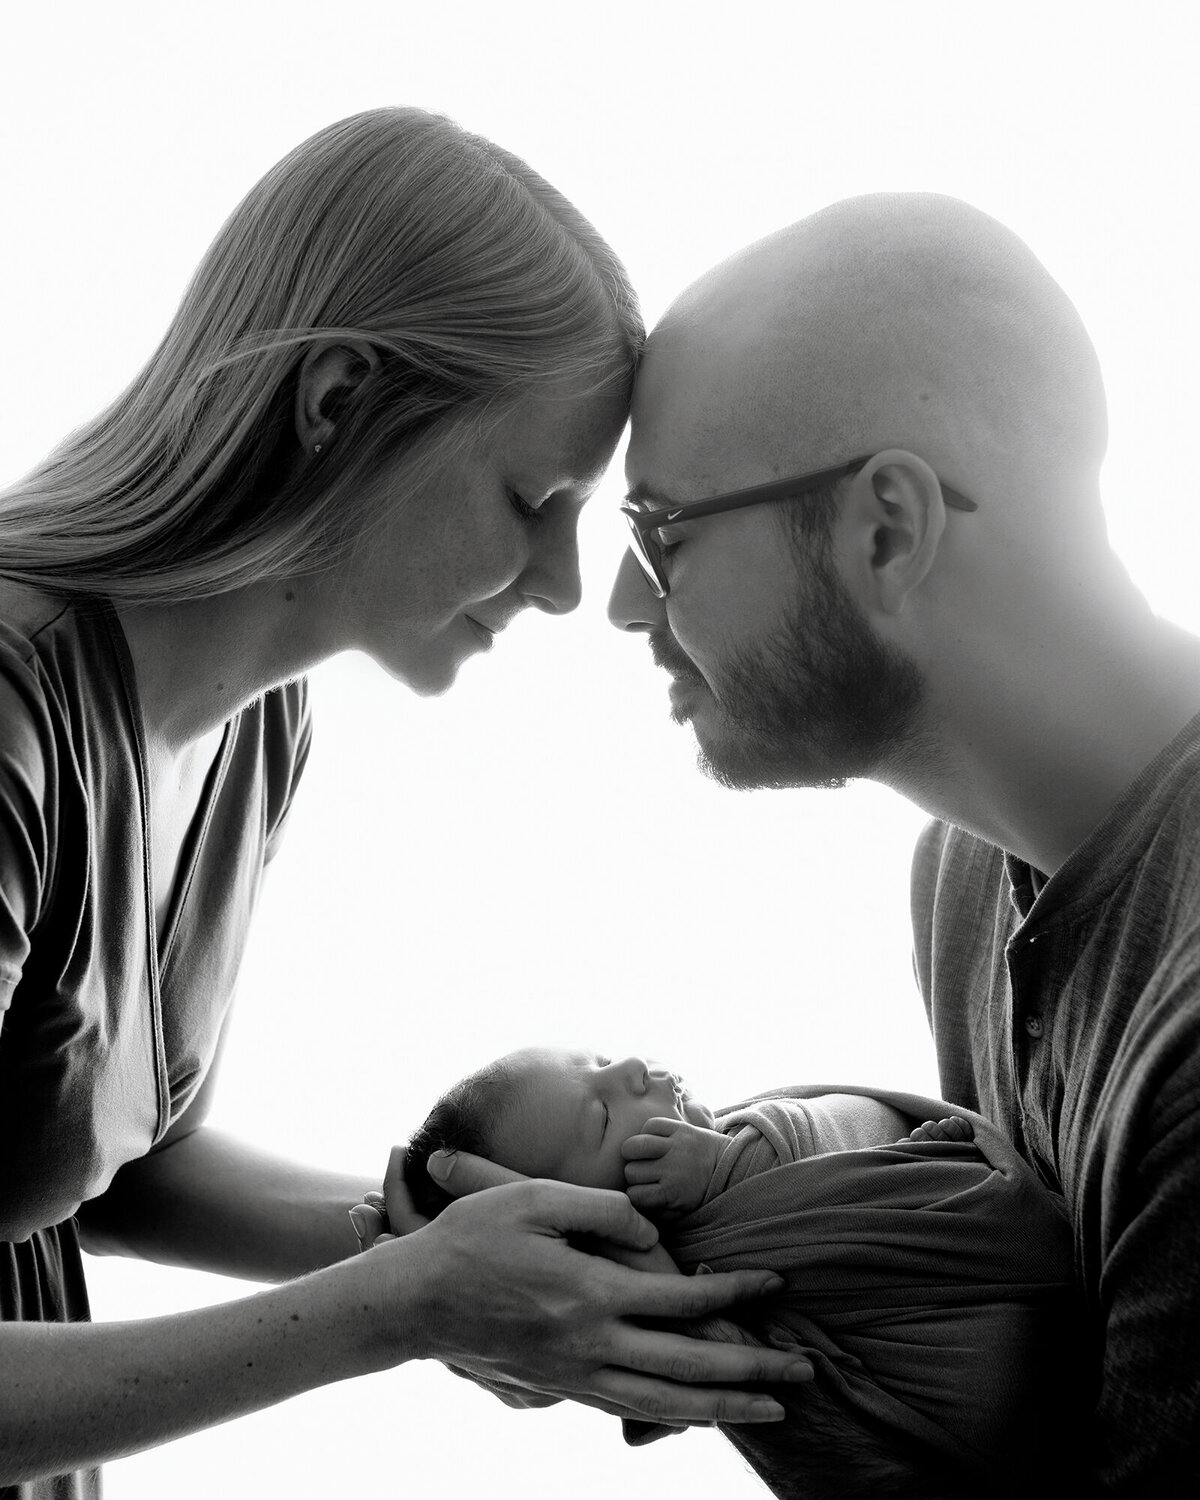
(894, 320)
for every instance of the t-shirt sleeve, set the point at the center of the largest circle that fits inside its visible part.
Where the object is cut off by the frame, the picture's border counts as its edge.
(26, 776)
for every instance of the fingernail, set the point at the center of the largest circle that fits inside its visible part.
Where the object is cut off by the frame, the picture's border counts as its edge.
(773, 1284)
(766, 1411)
(441, 1164)
(360, 1227)
(799, 1371)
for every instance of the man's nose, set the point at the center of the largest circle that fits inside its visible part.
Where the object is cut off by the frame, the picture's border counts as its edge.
(633, 604)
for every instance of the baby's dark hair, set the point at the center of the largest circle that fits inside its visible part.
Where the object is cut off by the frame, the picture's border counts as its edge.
(461, 1120)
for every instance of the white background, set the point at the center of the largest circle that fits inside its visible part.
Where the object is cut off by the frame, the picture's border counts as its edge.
(533, 857)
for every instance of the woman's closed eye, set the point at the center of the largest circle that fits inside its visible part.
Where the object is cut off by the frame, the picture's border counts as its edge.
(523, 508)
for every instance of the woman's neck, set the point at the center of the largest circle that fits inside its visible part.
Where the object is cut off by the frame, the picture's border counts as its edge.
(198, 662)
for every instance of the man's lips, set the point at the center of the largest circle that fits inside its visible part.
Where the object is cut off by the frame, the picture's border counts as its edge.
(670, 655)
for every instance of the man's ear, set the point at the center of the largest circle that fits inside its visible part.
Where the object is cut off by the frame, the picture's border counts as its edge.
(896, 512)
(329, 374)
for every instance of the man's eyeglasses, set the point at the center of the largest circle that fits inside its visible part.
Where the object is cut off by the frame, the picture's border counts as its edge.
(646, 524)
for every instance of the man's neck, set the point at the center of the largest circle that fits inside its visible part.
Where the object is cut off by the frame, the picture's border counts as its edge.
(1038, 744)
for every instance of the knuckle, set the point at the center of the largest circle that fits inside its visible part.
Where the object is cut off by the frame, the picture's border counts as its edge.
(693, 1303)
(684, 1369)
(653, 1406)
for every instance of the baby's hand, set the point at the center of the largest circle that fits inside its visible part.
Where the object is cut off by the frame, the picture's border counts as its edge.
(669, 1166)
(952, 1129)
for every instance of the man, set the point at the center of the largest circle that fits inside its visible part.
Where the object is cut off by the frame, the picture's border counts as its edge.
(940, 611)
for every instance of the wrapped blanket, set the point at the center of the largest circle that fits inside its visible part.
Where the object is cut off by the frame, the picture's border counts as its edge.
(930, 1283)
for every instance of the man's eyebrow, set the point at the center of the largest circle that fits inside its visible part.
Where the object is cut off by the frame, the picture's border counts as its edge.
(645, 494)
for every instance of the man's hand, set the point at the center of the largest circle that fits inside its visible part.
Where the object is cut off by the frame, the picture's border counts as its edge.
(952, 1129)
(669, 1166)
(513, 1303)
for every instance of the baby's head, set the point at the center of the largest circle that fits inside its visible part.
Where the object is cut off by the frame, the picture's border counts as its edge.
(549, 1112)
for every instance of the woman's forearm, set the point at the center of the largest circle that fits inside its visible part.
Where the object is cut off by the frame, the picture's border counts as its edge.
(73, 1395)
(209, 1202)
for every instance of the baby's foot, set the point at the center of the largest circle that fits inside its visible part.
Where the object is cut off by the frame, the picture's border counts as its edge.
(952, 1129)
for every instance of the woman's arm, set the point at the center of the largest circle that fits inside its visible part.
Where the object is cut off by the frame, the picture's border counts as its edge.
(212, 1203)
(493, 1286)
(73, 1395)
(209, 1202)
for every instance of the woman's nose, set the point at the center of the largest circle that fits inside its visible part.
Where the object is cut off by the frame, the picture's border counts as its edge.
(551, 581)
(633, 604)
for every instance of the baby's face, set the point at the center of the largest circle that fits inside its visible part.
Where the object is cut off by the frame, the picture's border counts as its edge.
(575, 1109)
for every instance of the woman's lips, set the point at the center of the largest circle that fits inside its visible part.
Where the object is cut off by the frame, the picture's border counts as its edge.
(486, 636)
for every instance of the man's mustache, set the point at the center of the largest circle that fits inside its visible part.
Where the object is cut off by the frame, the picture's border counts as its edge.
(669, 654)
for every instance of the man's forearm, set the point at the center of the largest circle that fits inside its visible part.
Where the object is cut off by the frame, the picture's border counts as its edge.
(209, 1202)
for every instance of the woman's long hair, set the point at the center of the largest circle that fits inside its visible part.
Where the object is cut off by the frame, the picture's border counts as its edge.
(470, 276)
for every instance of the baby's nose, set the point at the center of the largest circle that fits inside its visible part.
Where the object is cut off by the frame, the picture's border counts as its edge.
(636, 1074)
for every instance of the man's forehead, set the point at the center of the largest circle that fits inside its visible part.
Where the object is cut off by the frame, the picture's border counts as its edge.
(698, 426)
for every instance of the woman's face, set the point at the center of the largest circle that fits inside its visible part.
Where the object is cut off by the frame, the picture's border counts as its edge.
(490, 533)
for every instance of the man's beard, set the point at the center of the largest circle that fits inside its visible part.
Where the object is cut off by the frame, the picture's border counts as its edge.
(820, 701)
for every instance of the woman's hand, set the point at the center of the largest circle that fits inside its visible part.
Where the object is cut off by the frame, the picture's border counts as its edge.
(373, 1219)
(378, 1211)
(512, 1302)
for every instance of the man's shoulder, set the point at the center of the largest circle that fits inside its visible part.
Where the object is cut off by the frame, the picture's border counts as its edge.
(948, 858)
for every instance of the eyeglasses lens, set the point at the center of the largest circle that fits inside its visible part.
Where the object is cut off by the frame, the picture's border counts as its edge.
(646, 551)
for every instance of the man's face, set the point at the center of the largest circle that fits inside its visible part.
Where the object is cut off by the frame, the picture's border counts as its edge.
(772, 662)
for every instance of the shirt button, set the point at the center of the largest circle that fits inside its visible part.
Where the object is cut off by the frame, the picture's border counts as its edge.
(1033, 1025)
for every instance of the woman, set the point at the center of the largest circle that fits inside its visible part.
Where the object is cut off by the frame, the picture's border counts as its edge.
(398, 373)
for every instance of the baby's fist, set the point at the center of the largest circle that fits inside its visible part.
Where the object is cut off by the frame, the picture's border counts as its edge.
(952, 1129)
(669, 1165)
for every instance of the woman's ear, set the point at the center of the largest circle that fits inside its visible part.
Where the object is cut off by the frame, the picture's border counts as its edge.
(329, 374)
(895, 507)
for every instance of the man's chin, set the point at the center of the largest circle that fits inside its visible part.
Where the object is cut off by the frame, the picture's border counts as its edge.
(684, 694)
(740, 763)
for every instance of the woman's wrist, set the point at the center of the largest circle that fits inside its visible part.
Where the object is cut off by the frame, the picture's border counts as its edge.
(399, 1293)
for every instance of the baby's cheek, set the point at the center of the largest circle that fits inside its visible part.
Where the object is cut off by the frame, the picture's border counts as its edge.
(612, 1172)
(700, 1114)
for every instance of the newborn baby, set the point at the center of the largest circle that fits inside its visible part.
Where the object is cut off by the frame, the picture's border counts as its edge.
(928, 1274)
(581, 1117)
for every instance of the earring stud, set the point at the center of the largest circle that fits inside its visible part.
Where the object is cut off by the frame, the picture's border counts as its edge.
(316, 447)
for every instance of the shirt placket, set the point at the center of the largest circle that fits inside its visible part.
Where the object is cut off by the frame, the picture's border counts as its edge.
(1029, 1021)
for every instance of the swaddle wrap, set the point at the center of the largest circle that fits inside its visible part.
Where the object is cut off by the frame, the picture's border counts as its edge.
(930, 1283)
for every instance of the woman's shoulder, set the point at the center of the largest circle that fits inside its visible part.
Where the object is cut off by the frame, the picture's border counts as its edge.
(56, 667)
(25, 613)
